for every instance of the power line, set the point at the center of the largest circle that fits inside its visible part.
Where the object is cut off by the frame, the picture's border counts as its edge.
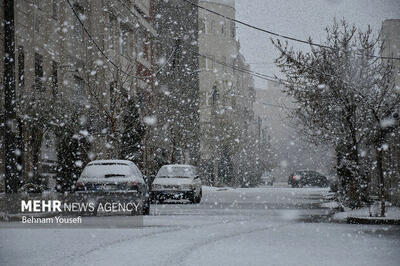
(104, 54)
(259, 75)
(246, 71)
(260, 63)
(277, 34)
(93, 41)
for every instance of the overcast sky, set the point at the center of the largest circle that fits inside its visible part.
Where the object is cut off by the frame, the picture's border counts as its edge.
(301, 19)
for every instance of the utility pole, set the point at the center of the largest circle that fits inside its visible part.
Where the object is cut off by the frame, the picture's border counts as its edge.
(10, 160)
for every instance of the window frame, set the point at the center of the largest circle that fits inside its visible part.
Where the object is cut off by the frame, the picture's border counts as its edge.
(39, 72)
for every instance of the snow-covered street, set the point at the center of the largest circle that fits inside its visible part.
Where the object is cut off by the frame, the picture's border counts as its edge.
(256, 226)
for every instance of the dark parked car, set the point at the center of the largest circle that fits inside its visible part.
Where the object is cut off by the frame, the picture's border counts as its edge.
(114, 181)
(307, 178)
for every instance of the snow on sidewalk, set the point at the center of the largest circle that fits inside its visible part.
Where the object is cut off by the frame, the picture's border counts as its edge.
(392, 213)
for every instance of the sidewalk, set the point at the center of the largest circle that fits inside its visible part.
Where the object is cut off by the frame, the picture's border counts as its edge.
(362, 216)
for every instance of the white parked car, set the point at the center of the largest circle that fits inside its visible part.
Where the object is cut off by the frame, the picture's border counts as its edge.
(177, 182)
(114, 180)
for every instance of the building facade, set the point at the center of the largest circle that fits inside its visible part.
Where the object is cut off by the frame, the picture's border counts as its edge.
(391, 48)
(57, 61)
(178, 81)
(226, 92)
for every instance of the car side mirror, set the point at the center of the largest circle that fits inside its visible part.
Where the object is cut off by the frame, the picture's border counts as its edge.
(196, 177)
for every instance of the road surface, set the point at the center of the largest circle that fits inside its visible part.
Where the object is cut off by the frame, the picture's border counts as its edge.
(260, 226)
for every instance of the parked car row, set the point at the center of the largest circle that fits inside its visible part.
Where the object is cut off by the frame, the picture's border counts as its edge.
(123, 181)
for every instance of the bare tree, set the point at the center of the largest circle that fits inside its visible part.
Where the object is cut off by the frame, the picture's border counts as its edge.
(344, 93)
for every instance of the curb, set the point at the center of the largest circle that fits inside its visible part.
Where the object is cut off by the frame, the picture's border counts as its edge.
(358, 220)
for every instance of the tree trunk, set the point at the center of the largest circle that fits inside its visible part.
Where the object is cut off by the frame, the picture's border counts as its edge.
(12, 177)
(349, 185)
(381, 179)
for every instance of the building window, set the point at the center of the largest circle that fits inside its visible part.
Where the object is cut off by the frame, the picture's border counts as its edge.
(233, 30)
(233, 103)
(111, 31)
(207, 99)
(79, 85)
(37, 20)
(224, 62)
(147, 49)
(177, 53)
(202, 62)
(210, 63)
(78, 29)
(54, 77)
(39, 72)
(124, 41)
(211, 31)
(140, 43)
(21, 67)
(214, 95)
(143, 45)
(202, 26)
(54, 6)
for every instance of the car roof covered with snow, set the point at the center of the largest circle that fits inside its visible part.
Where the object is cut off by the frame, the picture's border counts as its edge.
(178, 165)
(177, 170)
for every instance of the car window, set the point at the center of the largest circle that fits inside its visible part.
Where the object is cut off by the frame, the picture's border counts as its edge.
(136, 171)
(108, 170)
(170, 171)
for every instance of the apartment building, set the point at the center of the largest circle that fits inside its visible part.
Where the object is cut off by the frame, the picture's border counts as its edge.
(56, 57)
(226, 91)
(391, 48)
(178, 81)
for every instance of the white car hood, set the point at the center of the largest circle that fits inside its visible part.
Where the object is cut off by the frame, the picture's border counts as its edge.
(173, 181)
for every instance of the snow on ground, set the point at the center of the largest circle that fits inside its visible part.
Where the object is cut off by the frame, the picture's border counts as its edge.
(330, 204)
(391, 213)
(262, 226)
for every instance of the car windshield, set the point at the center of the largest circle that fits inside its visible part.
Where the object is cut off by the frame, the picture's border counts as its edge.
(106, 170)
(176, 172)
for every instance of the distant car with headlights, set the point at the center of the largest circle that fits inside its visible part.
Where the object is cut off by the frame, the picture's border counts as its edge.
(306, 178)
(114, 181)
(177, 182)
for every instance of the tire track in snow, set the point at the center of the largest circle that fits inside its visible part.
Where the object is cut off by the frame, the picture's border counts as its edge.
(180, 257)
(74, 255)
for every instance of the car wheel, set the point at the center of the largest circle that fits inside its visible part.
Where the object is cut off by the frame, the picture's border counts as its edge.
(192, 197)
(198, 199)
